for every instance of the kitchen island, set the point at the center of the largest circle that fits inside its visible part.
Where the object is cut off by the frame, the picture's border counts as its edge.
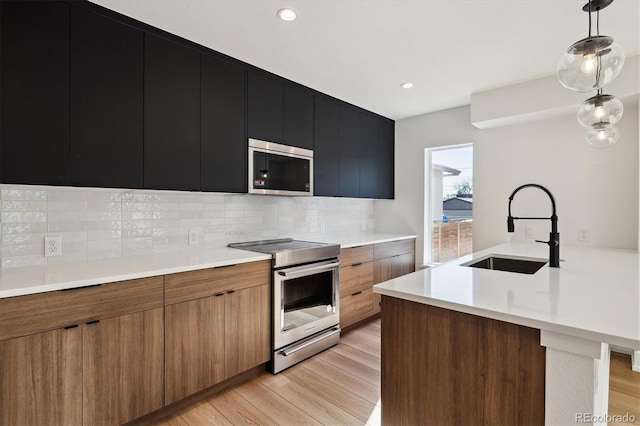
(486, 346)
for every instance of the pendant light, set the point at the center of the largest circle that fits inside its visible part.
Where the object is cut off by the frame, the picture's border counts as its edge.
(600, 109)
(588, 65)
(594, 61)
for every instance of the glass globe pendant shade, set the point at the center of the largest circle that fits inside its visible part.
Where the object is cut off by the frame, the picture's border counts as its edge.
(602, 135)
(590, 63)
(600, 109)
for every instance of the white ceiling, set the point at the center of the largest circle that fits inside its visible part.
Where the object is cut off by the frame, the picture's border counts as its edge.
(362, 50)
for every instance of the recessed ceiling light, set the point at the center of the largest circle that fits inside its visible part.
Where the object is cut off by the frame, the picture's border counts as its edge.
(406, 85)
(287, 14)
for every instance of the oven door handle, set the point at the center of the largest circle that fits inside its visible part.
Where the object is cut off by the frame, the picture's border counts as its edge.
(296, 348)
(306, 271)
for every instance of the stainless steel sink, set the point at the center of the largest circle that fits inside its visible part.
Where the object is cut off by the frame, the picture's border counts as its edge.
(508, 264)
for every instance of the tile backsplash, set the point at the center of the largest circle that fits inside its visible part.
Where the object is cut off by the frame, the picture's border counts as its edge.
(110, 223)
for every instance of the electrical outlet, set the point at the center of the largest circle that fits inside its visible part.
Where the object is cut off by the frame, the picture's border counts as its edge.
(53, 245)
(194, 237)
(528, 232)
(583, 235)
(322, 228)
(363, 226)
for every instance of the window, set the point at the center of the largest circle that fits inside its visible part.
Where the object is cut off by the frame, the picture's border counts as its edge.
(448, 203)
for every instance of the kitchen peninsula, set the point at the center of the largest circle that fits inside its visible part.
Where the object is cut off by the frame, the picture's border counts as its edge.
(486, 346)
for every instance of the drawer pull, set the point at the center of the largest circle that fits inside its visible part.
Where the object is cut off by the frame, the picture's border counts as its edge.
(230, 291)
(80, 288)
(93, 322)
(356, 293)
(356, 264)
(71, 326)
(219, 294)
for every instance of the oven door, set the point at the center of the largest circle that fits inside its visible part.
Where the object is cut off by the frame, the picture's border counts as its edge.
(305, 301)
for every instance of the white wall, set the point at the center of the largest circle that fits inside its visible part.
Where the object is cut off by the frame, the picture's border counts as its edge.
(413, 135)
(595, 189)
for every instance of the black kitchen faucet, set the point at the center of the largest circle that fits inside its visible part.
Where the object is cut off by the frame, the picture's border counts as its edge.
(554, 236)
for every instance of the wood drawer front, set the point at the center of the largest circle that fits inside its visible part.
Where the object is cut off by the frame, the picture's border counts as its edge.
(356, 308)
(193, 285)
(393, 248)
(356, 278)
(34, 313)
(355, 255)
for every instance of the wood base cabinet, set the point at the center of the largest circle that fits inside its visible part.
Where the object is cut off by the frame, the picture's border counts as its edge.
(363, 266)
(215, 337)
(443, 367)
(122, 367)
(103, 367)
(41, 378)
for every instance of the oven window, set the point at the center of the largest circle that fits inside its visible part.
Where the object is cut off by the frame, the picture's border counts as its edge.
(280, 172)
(307, 299)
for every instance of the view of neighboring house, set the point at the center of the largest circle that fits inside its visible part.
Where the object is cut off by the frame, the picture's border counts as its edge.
(457, 208)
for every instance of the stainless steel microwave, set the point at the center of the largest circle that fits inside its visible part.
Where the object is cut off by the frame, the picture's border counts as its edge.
(277, 169)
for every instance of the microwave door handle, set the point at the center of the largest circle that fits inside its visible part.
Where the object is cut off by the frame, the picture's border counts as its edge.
(306, 271)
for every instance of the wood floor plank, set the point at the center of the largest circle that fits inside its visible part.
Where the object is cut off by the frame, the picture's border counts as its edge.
(309, 402)
(362, 342)
(347, 380)
(274, 406)
(337, 395)
(357, 355)
(203, 413)
(347, 364)
(624, 388)
(238, 411)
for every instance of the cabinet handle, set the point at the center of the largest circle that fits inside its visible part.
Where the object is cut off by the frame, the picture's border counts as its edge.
(356, 264)
(93, 322)
(80, 288)
(219, 294)
(230, 291)
(356, 293)
(71, 326)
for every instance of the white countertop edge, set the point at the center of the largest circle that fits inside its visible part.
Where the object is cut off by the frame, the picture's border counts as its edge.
(376, 239)
(510, 318)
(64, 284)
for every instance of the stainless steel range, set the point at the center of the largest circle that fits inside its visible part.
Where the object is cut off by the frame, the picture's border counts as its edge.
(306, 297)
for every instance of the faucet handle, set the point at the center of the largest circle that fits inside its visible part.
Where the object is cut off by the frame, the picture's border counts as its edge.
(550, 243)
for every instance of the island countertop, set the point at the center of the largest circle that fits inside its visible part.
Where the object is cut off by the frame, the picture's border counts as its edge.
(595, 294)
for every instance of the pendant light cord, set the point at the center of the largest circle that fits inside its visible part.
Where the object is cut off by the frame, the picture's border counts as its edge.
(589, 18)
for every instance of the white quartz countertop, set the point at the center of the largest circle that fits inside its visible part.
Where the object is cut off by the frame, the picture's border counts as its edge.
(23, 281)
(595, 294)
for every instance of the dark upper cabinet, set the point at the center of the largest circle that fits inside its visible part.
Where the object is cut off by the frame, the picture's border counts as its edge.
(106, 102)
(35, 92)
(326, 160)
(264, 108)
(223, 138)
(386, 160)
(349, 152)
(298, 117)
(368, 144)
(171, 115)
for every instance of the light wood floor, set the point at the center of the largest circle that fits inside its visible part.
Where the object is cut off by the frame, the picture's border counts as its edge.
(341, 386)
(624, 388)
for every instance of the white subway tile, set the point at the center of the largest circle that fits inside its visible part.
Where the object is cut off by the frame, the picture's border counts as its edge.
(23, 261)
(67, 226)
(21, 217)
(19, 193)
(24, 228)
(107, 249)
(24, 206)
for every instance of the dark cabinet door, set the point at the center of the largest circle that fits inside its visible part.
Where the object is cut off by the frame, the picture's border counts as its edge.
(223, 137)
(264, 108)
(35, 92)
(326, 161)
(106, 102)
(298, 117)
(171, 116)
(385, 169)
(349, 152)
(368, 156)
